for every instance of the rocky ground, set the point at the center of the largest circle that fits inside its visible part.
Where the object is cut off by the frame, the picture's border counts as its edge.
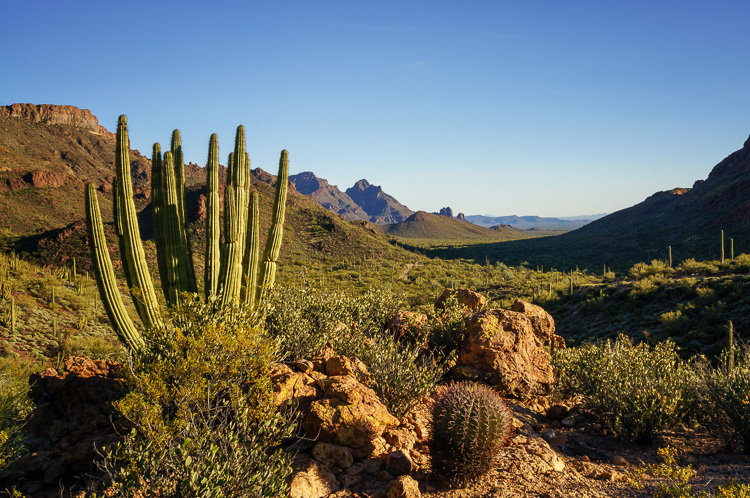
(351, 445)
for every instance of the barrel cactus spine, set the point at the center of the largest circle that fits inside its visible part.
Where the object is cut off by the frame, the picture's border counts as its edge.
(470, 424)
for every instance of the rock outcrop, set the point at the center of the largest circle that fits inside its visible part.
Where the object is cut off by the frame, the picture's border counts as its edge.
(56, 114)
(446, 211)
(473, 301)
(73, 419)
(329, 196)
(502, 349)
(541, 321)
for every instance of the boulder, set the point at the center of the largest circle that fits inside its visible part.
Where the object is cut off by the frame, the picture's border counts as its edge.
(293, 387)
(349, 414)
(311, 479)
(333, 455)
(542, 322)
(404, 487)
(72, 422)
(470, 299)
(502, 349)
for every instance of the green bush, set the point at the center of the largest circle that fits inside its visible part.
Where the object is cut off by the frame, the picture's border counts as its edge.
(447, 328)
(14, 406)
(637, 389)
(725, 393)
(303, 320)
(657, 267)
(692, 267)
(400, 374)
(202, 411)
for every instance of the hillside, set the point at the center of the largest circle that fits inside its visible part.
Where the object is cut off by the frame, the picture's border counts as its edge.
(689, 220)
(48, 153)
(422, 225)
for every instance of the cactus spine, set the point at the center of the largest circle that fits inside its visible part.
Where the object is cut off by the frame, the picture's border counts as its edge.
(176, 254)
(213, 229)
(12, 314)
(105, 275)
(276, 232)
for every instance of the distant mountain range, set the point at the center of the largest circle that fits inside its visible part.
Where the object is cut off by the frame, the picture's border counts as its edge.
(528, 222)
(363, 201)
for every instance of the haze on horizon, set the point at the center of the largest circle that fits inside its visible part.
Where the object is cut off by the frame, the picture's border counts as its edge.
(489, 107)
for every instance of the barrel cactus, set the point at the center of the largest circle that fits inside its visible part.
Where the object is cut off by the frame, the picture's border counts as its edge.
(470, 424)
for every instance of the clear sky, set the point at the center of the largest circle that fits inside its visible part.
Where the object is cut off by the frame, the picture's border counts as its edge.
(550, 108)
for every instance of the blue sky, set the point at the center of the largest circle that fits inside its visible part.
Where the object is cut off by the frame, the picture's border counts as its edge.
(490, 107)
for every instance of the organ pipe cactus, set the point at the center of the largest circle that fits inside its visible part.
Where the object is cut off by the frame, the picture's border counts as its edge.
(106, 282)
(231, 268)
(131, 247)
(213, 229)
(275, 233)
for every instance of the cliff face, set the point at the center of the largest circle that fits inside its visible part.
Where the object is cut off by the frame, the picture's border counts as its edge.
(54, 115)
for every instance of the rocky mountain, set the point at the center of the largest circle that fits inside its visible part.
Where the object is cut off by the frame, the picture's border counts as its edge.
(329, 196)
(379, 206)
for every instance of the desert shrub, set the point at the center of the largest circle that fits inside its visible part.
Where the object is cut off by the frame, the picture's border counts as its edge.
(202, 411)
(725, 395)
(399, 373)
(14, 406)
(470, 424)
(637, 389)
(673, 479)
(692, 267)
(446, 328)
(303, 320)
(656, 267)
